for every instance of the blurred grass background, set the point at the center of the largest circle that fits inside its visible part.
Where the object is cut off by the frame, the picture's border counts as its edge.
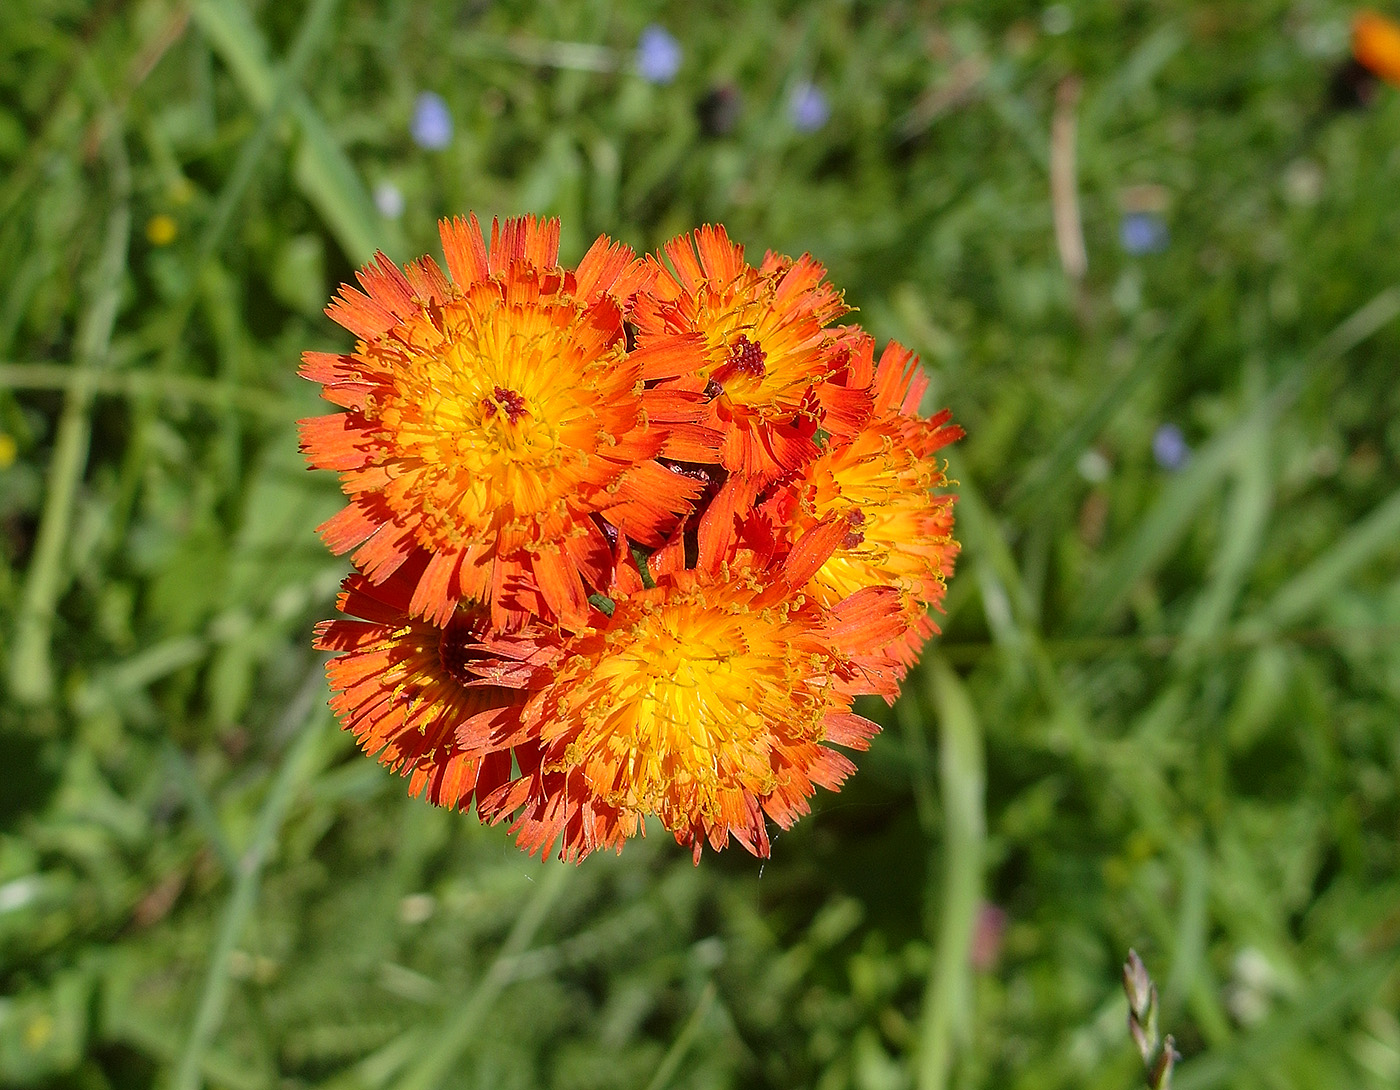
(1163, 713)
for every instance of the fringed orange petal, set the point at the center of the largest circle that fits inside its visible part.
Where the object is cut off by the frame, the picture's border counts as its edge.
(495, 414)
(409, 690)
(649, 500)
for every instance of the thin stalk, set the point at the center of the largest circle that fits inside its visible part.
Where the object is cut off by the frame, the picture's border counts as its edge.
(31, 672)
(181, 389)
(681, 1045)
(310, 35)
(453, 1039)
(962, 781)
(307, 709)
(1248, 635)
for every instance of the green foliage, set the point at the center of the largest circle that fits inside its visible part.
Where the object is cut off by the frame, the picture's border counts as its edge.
(1163, 713)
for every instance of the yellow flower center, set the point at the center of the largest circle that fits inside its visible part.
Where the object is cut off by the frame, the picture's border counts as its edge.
(676, 708)
(891, 494)
(760, 359)
(495, 412)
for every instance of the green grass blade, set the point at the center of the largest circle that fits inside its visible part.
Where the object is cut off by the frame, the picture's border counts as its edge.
(1142, 66)
(237, 40)
(1161, 528)
(182, 774)
(455, 1036)
(310, 35)
(1043, 484)
(308, 708)
(684, 1039)
(909, 713)
(1246, 525)
(1378, 313)
(179, 389)
(335, 190)
(1324, 1001)
(983, 538)
(962, 781)
(1159, 531)
(160, 660)
(1011, 614)
(1371, 537)
(322, 171)
(31, 672)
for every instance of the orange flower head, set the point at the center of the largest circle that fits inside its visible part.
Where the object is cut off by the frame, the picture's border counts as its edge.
(709, 700)
(489, 417)
(1375, 43)
(766, 370)
(887, 484)
(406, 689)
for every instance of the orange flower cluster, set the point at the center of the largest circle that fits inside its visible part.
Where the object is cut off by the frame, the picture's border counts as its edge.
(630, 537)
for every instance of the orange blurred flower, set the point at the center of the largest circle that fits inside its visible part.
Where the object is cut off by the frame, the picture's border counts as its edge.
(1375, 43)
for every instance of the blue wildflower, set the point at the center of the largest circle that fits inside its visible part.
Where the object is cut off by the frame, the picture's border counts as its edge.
(658, 55)
(808, 108)
(432, 122)
(1169, 447)
(1142, 233)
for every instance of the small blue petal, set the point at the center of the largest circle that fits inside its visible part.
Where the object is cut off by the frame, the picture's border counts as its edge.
(1169, 447)
(1143, 233)
(432, 122)
(808, 108)
(658, 55)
